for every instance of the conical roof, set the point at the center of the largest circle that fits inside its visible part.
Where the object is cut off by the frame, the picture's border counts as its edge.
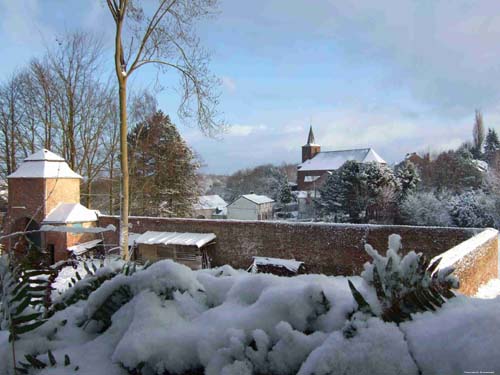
(44, 164)
(310, 138)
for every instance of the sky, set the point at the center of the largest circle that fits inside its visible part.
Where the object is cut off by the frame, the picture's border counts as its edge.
(396, 75)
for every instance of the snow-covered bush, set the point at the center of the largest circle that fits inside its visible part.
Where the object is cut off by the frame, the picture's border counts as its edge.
(168, 319)
(404, 285)
(473, 209)
(426, 208)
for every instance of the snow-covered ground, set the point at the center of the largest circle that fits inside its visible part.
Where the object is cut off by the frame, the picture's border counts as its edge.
(230, 322)
(489, 290)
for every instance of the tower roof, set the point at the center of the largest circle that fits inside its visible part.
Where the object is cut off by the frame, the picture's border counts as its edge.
(310, 138)
(44, 164)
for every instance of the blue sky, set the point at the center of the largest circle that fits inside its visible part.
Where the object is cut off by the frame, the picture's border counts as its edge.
(396, 75)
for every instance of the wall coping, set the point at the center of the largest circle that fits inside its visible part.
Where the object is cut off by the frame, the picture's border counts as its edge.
(472, 231)
(450, 257)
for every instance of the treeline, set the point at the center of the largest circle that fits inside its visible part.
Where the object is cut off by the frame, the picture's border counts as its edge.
(267, 179)
(64, 101)
(453, 188)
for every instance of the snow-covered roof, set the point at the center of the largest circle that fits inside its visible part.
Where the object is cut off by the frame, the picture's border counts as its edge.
(481, 165)
(174, 238)
(331, 160)
(44, 164)
(290, 264)
(132, 238)
(259, 199)
(70, 213)
(209, 202)
(83, 247)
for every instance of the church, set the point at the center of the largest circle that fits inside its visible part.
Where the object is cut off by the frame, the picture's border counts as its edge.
(317, 164)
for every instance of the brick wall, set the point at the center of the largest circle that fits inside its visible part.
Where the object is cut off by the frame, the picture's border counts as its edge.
(325, 248)
(475, 261)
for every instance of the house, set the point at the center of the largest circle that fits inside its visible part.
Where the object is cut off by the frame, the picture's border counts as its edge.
(316, 164)
(190, 249)
(44, 199)
(210, 207)
(251, 207)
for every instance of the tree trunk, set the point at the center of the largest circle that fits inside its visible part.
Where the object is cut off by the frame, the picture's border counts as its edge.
(111, 192)
(124, 169)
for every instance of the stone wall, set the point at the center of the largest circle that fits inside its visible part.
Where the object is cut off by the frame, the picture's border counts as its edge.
(475, 261)
(333, 249)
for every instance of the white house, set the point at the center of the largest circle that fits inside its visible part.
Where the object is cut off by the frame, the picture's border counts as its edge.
(210, 207)
(251, 207)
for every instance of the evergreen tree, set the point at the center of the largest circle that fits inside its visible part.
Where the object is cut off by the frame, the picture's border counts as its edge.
(491, 145)
(163, 169)
(284, 195)
(356, 192)
(408, 177)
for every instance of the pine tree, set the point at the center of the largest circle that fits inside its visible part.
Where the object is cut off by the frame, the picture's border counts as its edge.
(491, 145)
(284, 193)
(163, 169)
(408, 177)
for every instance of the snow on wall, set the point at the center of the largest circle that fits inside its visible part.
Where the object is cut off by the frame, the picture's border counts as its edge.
(475, 261)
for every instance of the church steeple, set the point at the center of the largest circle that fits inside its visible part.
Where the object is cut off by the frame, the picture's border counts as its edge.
(310, 138)
(310, 149)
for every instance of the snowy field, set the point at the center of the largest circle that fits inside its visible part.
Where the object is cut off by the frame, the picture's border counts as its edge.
(230, 322)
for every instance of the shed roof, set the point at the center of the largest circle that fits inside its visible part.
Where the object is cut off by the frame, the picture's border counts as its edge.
(331, 160)
(258, 199)
(70, 213)
(44, 164)
(175, 238)
(83, 247)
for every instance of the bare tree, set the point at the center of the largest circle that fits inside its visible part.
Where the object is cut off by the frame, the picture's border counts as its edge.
(11, 116)
(478, 134)
(165, 38)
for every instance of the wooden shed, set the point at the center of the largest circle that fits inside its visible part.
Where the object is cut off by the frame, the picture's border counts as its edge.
(190, 249)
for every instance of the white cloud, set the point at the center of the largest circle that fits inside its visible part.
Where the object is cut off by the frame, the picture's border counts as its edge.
(229, 84)
(245, 130)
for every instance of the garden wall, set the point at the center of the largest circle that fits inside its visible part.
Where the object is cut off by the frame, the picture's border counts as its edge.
(332, 249)
(475, 261)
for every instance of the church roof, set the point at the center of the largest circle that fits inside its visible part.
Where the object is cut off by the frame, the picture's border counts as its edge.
(331, 160)
(44, 164)
(310, 137)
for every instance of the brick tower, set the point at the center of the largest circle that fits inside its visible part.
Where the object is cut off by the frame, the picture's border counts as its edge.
(310, 149)
(36, 188)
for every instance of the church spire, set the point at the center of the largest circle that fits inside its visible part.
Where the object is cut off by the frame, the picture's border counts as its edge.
(310, 138)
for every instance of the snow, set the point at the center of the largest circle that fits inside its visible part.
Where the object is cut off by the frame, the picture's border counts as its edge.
(174, 238)
(42, 155)
(289, 264)
(132, 238)
(331, 160)
(460, 337)
(83, 247)
(66, 229)
(258, 199)
(228, 321)
(209, 202)
(489, 290)
(462, 250)
(66, 213)
(311, 178)
(44, 164)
